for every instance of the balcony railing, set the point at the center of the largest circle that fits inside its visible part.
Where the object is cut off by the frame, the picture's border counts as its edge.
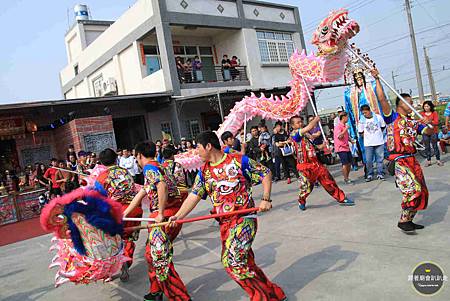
(214, 74)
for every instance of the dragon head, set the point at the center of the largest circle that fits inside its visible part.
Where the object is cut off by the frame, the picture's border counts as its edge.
(333, 32)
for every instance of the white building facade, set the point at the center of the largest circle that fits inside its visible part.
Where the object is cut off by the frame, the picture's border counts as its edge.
(136, 54)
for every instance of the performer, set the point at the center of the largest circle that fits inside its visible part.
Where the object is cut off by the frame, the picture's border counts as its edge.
(227, 179)
(361, 93)
(402, 133)
(309, 168)
(116, 183)
(165, 200)
(175, 170)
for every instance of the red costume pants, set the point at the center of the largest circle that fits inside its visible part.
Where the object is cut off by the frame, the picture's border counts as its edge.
(239, 261)
(309, 174)
(159, 254)
(411, 182)
(130, 237)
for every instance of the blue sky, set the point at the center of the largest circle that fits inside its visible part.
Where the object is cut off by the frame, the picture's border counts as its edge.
(33, 49)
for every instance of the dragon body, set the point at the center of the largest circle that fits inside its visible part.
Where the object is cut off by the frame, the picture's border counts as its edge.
(331, 38)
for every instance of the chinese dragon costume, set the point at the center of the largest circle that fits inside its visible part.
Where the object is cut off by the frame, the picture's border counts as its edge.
(328, 65)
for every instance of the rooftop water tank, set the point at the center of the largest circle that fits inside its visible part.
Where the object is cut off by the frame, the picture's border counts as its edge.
(81, 12)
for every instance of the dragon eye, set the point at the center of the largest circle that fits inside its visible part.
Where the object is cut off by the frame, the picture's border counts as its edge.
(325, 30)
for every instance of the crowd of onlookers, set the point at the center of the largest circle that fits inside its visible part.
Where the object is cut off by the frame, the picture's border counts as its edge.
(190, 70)
(271, 147)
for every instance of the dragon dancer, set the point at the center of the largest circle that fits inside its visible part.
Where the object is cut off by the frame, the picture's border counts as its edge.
(309, 168)
(165, 199)
(402, 133)
(116, 183)
(227, 180)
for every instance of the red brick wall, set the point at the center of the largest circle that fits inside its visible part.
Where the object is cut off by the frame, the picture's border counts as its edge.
(70, 133)
(73, 132)
(41, 139)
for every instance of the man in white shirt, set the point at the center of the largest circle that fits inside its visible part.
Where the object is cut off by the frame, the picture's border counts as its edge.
(371, 126)
(128, 162)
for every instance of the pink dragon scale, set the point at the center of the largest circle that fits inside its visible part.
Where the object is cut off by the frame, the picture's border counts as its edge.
(330, 37)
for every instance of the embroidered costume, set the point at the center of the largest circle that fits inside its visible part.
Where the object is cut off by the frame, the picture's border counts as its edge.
(402, 131)
(116, 183)
(228, 184)
(159, 250)
(312, 171)
(354, 98)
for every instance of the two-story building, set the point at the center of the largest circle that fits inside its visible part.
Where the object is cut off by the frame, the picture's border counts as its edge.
(148, 48)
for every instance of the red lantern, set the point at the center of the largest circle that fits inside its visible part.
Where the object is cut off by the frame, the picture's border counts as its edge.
(32, 128)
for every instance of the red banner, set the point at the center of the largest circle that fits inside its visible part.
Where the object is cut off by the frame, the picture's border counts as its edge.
(12, 126)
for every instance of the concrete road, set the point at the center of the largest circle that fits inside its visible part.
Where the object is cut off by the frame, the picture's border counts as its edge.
(328, 252)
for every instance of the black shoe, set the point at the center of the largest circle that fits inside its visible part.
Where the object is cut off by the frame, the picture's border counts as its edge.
(153, 296)
(407, 226)
(417, 226)
(124, 274)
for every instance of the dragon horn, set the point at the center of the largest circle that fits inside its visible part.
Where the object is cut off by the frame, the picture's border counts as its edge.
(262, 95)
(304, 52)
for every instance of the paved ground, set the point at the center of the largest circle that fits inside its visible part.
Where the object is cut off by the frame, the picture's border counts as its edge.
(327, 252)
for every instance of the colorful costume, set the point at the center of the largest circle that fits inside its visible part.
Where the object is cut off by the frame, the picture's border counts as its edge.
(228, 184)
(92, 250)
(116, 183)
(159, 250)
(312, 171)
(354, 98)
(402, 132)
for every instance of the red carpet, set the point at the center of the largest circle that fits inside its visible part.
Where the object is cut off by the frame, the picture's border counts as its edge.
(15, 232)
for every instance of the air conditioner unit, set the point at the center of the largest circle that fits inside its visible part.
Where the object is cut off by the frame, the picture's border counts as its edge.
(109, 87)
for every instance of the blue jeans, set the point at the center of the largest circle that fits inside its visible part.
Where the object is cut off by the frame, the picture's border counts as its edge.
(378, 151)
(433, 140)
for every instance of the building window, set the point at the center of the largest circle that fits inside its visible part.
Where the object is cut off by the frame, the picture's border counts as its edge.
(75, 69)
(152, 58)
(193, 128)
(166, 130)
(97, 84)
(275, 47)
(205, 53)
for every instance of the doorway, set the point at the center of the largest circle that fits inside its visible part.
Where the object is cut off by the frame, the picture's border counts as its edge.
(129, 131)
(211, 121)
(8, 155)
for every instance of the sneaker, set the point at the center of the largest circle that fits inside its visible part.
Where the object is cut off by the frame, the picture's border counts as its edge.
(440, 163)
(348, 181)
(302, 206)
(153, 296)
(417, 226)
(124, 274)
(347, 202)
(369, 178)
(407, 226)
(289, 181)
(428, 164)
(380, 177)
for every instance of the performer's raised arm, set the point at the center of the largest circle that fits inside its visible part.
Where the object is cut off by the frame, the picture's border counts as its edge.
(310, 125)
(386, 107)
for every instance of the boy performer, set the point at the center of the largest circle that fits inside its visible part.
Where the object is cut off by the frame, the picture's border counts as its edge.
(175, 170)
(310, 169)
(165, 200)
(117, 184)
(401, 135)
(227, 180)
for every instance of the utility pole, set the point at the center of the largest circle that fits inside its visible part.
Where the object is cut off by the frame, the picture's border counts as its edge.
(393, 80)
(430, 75)
(414, 49)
